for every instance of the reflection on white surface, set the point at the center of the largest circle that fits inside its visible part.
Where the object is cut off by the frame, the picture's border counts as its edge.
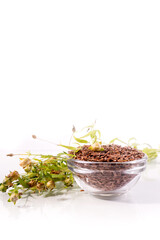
(146, 192)
(85, 213)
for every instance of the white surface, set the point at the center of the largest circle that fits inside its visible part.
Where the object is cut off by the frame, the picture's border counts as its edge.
(77, 214)
(71, 62)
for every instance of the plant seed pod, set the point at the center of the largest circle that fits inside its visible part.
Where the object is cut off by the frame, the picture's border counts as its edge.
(50, 184)
(14, 197)
(13, 175)
(7, 182)
(27, 168)
(73, 129)
(3, 188)
(68, 182)
(55, 172)
(25, 162)
(40, 186)
(32, 183)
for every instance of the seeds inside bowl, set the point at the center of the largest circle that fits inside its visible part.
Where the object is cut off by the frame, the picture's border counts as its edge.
(109, 169)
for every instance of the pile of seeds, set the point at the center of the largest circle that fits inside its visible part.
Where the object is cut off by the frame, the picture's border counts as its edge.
(105, 170)
(111, 153)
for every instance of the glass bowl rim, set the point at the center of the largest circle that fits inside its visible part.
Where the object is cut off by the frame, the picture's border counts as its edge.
(139, 160)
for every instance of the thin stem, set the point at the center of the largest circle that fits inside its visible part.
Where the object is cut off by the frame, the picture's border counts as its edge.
(71, 139)
(20, 154)
(44, 140)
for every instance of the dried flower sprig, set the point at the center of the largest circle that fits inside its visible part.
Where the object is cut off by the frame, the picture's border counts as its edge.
(45, 172)
(42, 173)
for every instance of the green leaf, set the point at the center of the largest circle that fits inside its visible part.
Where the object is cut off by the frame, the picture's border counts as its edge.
(36, 159)
(113, 140)
(58, 176)
(131, 139)
(117, 139)
(90, 126)
(97, 131)
(23, 183)
(31, 174)
(133, 142)
(102, 149)
(80, 140)
(92, 134)
(68, 147)
(148, 145)
(71, 155)
(46, 156)
(87, 135)
(151, 153)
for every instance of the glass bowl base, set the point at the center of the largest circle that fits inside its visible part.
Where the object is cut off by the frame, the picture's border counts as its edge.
(107, 196)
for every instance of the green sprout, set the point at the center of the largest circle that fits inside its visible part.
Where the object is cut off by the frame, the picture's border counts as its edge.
(152, 153)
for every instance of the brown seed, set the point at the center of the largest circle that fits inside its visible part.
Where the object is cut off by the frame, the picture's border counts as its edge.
(34, 136)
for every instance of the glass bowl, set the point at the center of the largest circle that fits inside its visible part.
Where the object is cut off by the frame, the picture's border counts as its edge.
(107, 179)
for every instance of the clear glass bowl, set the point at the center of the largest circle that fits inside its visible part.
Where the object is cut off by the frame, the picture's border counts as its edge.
(107, 179)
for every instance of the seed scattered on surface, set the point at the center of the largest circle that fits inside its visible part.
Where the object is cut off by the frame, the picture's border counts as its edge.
(34, 136)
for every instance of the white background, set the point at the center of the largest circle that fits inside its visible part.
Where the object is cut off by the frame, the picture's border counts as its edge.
(71, 62)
